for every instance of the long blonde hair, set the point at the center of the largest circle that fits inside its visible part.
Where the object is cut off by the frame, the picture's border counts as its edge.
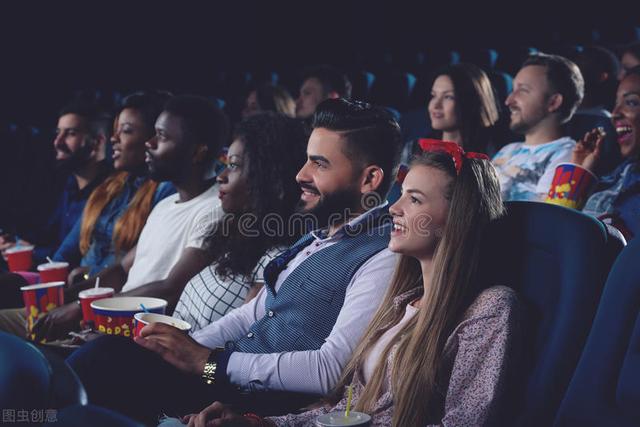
(418, 396)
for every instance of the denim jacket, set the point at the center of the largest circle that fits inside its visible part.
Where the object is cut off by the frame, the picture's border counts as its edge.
(101, 253)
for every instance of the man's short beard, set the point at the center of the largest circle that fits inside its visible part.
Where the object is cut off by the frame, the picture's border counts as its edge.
(76, 160)
(334, 208)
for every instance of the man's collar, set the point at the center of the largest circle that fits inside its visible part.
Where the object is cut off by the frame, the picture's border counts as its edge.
(352, 226)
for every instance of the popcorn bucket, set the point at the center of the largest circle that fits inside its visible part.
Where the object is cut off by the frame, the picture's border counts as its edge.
(40, 299)
(571, 186)
(140, 320)
(114, 316)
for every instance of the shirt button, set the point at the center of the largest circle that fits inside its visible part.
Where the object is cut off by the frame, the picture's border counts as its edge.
(308, 253)
(250, 335)
(271, 313)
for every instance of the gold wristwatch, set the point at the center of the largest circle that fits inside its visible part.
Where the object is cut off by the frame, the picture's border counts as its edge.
(210, 367)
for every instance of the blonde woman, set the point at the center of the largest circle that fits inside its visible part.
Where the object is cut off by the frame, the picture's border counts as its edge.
(437, 351)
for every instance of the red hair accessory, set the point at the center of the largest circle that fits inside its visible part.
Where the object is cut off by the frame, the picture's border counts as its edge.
(451, 148)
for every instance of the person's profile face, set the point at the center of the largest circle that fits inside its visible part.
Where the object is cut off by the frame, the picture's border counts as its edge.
(529, 99)
(234, 180)
(329, 180)
(128, 140)
(251, 106)
(72, 135)
(420, 214)
(626, 116)
(168, 154)
(442, 105)
(311, 94)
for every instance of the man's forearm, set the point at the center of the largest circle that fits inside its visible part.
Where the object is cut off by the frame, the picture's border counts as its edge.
(112, 277)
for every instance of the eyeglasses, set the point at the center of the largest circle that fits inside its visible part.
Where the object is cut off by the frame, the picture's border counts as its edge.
(451, 148)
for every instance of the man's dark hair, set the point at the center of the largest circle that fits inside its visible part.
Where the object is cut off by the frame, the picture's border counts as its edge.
(564, 77)
(594, 62)
(372, 134)
(98, 121)
(203, 123)
(331, 79)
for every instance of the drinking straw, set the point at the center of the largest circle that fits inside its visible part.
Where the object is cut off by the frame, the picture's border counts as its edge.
(97, 282)
(144, 308)
(50, 260)
(349, 396)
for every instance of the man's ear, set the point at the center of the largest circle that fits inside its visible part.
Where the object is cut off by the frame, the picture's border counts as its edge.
(555, 102)
(371, 179)
(201, 153)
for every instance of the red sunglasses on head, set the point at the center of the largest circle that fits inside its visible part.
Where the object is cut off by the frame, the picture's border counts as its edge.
(451, 148)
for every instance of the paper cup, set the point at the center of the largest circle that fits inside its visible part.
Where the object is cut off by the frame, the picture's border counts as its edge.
(114, 316)
(19, 258)
(571, 186)
(339, 419)
(140, 320)
(53, 272)
(88, 296)
(40, 299)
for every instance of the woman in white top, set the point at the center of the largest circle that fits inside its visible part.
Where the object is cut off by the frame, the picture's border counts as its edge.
(258, 193)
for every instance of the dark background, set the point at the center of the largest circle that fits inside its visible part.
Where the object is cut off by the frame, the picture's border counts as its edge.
(52, 51)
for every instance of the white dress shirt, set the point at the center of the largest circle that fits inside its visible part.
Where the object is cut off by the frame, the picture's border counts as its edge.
(312, 371)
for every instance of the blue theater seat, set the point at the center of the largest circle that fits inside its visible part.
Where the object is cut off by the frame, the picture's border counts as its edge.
(557, 259)
(35, 378)
(25, 375)
(605, 389)
(393, 89)
(94, 416)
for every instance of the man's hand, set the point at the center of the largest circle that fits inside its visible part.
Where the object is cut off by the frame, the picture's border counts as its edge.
(587, 151)
(218, 414)
(175, 347)
(57, 323)
(7, 241)
(77, 275)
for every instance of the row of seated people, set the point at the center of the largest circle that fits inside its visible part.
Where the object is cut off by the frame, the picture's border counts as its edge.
(297, 334)
(471, 83)
(561, 383)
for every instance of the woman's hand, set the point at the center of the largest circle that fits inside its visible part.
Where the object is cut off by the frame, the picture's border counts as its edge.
(587, 151)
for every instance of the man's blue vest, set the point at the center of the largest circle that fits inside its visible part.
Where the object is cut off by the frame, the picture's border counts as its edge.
(302, 313)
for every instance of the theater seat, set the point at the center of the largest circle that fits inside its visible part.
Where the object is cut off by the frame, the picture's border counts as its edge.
(36, 378)
(605, 389)
(557, 260)
(25, 375)
(94, 416)
(393, 89)
(66, 388)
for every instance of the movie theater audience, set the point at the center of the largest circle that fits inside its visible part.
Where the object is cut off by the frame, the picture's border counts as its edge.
(438, 350)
